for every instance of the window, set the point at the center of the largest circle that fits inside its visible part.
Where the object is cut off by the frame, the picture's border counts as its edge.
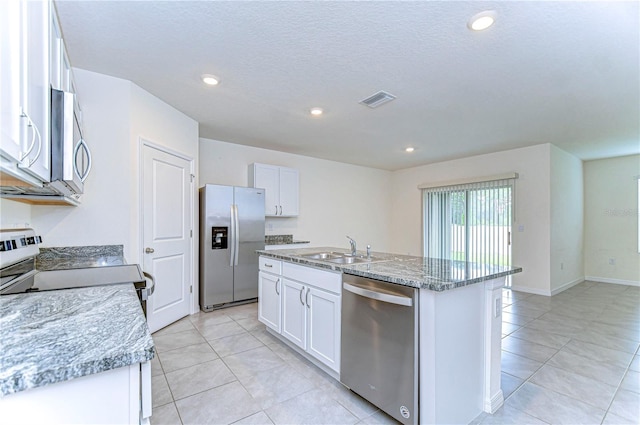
(470, 221)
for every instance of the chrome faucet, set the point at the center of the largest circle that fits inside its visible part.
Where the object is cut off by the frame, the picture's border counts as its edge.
(368, 251)
(353, 246)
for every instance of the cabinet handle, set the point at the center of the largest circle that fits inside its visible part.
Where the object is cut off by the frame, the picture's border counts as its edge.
(301, 291)
(268, 265)
(277, 292)
(36, 133)
(82, 144)
(276, 210)
(280, 209)
(306, 298)
(33, 136)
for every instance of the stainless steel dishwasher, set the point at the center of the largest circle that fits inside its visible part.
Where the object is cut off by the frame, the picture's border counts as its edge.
(379, 345)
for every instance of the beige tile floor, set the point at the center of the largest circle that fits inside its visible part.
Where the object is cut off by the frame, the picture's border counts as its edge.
(572, 358)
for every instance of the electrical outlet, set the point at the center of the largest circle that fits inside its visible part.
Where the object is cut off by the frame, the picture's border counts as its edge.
(612, 261)
(521, 228)
(270, 226)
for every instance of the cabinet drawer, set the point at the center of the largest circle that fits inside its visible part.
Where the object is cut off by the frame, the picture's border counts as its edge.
(270, 265)
(325, 279)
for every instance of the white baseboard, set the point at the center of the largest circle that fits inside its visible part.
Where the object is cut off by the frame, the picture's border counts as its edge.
(535, 291)
(496, 402)
(567, 285)
(616, 281)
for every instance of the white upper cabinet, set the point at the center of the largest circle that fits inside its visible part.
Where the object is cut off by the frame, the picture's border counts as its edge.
(61, 76)
(24, 83)
(281, 188)
(37, 92)
(10, 79)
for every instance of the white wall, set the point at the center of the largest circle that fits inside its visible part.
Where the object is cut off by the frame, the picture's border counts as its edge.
(154, 121)
(103, 217)
(116, 114)
(530, 248)
(14, 214)
(567, 224)
(336, 199)
(611, 220)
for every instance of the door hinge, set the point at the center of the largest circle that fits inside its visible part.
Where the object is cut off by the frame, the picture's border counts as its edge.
(191, 233)
(191, 289)
(193, 177)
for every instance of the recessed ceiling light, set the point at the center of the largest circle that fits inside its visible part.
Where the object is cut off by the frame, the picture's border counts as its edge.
(316, 111)
(209, 79)
(410, 149)
(482, 21)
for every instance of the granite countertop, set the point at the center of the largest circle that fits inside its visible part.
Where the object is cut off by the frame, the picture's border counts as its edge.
(54, 336)
(288, 243)
(281, 240)
(79, 257)
(419, 272)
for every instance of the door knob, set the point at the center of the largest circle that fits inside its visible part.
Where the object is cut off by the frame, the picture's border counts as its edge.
(149, 250)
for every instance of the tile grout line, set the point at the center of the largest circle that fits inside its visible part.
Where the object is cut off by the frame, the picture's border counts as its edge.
(572, 338)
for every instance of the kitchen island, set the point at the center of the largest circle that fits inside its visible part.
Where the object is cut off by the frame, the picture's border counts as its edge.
(459, 323)
(75, 356)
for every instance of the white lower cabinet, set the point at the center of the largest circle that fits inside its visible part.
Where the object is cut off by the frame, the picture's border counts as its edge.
(324, 327)
(302, 304)
(294, 313)
(269, 305)
(116, 396)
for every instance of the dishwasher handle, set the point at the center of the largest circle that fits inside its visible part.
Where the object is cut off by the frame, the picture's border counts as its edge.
(378, 296)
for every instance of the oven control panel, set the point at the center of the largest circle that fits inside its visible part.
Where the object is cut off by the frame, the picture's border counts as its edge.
(18, 244)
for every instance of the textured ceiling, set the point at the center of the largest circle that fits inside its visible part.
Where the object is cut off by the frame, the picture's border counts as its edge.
(566, 73)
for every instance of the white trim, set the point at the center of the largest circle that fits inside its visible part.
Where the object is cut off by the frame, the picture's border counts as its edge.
(469, 180)
(534, 291)
(194, 306)
(567, 285)
(615, 281)
(496, 402)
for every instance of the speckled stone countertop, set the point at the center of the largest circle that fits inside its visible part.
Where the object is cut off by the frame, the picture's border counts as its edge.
(281, 240)
(419, 272)
(54, 336)
(79, 257)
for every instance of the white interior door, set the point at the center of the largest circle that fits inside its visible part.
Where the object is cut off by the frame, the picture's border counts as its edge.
(167, 214)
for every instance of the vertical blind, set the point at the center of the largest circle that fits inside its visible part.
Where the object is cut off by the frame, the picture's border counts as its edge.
(470, 221)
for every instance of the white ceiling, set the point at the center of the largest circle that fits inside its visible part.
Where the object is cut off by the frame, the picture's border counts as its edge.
(566, 73)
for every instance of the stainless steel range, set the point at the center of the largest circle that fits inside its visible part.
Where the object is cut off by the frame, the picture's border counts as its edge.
(18, 273)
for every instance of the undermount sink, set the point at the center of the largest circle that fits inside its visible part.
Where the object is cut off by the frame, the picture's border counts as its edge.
(322, 256)
(348, 260)
(337, 257)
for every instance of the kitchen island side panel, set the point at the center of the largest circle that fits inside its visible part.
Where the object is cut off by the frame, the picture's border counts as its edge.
(451, 355)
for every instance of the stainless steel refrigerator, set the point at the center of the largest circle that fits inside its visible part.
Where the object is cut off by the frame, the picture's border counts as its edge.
(231, 230)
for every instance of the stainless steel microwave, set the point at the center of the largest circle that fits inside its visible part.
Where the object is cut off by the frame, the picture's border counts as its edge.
(70, 155)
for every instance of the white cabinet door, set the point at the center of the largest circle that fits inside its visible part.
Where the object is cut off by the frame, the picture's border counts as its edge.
(36, 91)
(55, 52)
(288, 191)
(269, 307)
(324, 327)
(281, 188)
(294, 313)
(10, 79)
(267, 178)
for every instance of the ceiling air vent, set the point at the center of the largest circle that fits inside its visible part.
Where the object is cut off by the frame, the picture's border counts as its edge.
(378, 99)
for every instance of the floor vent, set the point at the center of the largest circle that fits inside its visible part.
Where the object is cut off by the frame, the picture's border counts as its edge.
(377, 99)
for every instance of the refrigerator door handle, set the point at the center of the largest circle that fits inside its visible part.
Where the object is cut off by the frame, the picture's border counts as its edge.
(237, 235)
(232, 236)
